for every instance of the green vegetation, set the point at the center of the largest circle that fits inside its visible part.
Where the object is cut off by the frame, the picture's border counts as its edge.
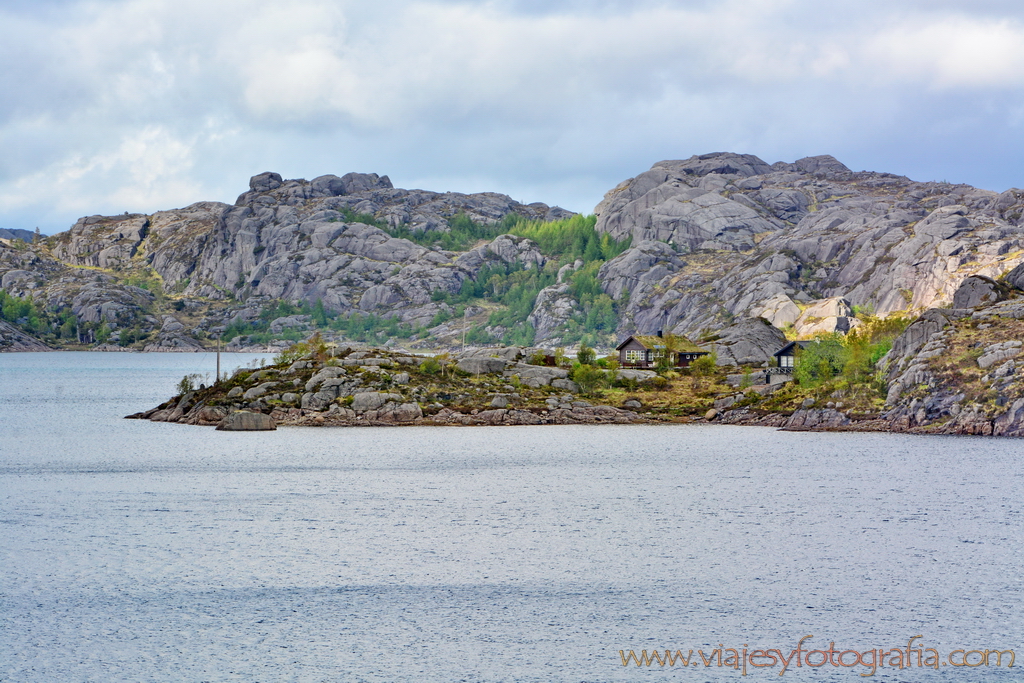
(515, 287)
(851, 357)
(50, 325)
(368, 328)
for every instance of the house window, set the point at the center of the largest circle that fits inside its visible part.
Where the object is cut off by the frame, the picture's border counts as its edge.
(785, 361)
(634, 356)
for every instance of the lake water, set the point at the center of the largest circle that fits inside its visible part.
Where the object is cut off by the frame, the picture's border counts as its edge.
(138, 551)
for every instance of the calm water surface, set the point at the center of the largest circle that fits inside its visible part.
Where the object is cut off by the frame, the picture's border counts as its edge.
(138, 551)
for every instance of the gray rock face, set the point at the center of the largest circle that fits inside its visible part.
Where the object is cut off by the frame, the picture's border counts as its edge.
(978, 290)
(715, 238)
(816, 231)
(102, 242)
(535, 376)
(371, 400)
(553, 307)
(477, 365)
(647, 263)
(681, 202)
(1015, 278)
(13, 339)
(635, 375)
(825, 316)
(394, 413)
(750, 341)
(242, 421)
(566, 385)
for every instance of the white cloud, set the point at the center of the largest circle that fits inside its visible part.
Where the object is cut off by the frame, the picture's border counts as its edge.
(516, 93)
(147, 170)
(953, 52)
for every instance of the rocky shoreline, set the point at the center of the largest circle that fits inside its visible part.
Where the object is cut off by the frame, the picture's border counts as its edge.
(376, 387)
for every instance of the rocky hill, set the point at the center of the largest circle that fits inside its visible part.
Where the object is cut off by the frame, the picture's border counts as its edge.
(724, 236)
(692, 246)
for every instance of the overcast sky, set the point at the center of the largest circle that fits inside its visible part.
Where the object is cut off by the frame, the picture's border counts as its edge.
(142, 105)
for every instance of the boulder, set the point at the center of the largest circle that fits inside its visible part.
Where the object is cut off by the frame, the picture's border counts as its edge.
(750, 341)
(999, 352)
(511, 353)
(635, 375)
(242, 421)
(393, 412)
(256, 392)
(978, 290)
(371, 400)
(330, 372)
(825, 316)
(1015, 278)
(779, 310)
(477, 365)
(265, 182)
(566, 385)
(535, 376)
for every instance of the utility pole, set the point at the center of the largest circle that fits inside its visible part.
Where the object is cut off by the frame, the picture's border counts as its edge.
(218, 361)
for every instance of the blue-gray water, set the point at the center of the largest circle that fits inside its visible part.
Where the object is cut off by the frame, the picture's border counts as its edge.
(135, 551)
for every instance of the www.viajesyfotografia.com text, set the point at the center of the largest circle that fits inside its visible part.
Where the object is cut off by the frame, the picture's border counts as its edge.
(910, 656)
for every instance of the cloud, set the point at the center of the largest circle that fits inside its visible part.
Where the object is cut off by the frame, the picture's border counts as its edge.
(953, 52)
(149, 168)
(169, 101)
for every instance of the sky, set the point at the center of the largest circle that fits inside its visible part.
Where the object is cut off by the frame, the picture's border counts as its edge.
(145, 105)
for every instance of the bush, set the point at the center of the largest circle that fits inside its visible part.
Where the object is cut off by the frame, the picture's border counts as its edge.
(188, 383)
(292, 353)
(589, 378)
(430, 366)
(705, 366)
(656, 383)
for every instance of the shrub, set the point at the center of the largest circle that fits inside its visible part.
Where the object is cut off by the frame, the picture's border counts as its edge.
(656, 383)
(589, 378)
(188, 383)
(430, 366)
(705, 365)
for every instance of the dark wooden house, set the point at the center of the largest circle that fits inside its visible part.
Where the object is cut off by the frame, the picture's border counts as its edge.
(644, 351)
(786, 356)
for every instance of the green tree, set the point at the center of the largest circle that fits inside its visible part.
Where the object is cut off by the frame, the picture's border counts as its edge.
(589, 378)
(586, 355)
(821, 360)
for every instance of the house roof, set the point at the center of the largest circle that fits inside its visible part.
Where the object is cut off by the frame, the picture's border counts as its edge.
(675, 342)
(790, 347)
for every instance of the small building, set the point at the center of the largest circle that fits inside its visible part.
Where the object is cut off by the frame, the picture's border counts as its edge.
(786, 356)
(644, 351)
